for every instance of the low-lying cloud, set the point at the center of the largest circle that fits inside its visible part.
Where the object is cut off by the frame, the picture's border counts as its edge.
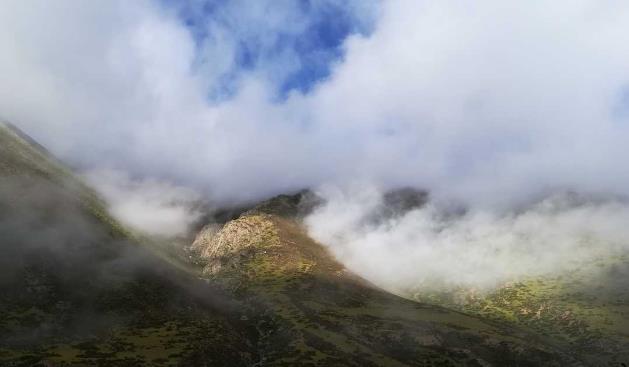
(57, 261)
(150, 206)
(436, 247)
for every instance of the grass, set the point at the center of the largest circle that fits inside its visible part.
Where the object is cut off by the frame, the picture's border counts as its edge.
(20, 158)
(587, 308)
(162, 345)
(114, 302)
(321, 314)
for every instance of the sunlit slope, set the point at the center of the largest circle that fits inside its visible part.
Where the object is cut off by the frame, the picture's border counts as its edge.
(586, 308)
(318, 313)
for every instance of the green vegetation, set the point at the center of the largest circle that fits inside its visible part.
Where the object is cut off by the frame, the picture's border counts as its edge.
(316, 312)
(76, 288)
(587, 308)
(20, 157)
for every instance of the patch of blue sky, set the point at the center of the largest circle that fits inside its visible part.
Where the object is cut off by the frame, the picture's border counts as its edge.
(319, 47)
(620, 108)
(295, 49)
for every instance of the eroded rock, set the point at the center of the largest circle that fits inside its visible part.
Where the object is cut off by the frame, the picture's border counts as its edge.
(235, 242)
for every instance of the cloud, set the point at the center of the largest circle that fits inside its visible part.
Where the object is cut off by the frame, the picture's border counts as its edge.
(489, 104)
(434, 247)
(56, 259)
(147, 205)
(486, 102)
(290, 43)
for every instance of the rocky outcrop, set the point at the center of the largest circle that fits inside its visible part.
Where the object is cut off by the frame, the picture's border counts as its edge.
(235, 242)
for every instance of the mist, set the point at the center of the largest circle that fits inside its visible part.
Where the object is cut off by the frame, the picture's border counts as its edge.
(436, 246)
(83, 279)
(149, 206)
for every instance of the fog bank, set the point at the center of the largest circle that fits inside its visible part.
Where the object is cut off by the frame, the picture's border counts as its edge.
(435, 247)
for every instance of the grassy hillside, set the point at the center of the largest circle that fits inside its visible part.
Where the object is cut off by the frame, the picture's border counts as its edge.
(21, 157)
(587, 308)
(77, 289)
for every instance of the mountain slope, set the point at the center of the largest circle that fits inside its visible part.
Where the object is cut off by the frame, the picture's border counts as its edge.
(587, 308)
(317, 312)
(77, 289)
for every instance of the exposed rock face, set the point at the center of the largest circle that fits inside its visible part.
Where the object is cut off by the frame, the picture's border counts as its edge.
(235, 242)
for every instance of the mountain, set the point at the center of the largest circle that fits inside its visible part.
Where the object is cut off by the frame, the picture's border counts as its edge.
(586, 308)
(77, 288)
(318, 312)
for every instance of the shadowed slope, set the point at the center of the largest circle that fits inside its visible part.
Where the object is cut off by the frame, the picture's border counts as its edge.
(76, 289)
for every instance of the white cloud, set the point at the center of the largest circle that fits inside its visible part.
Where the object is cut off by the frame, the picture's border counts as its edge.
(489, 102)
(429, 247)
(149, 206)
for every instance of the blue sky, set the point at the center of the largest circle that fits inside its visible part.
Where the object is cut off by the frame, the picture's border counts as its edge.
(309, 42)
